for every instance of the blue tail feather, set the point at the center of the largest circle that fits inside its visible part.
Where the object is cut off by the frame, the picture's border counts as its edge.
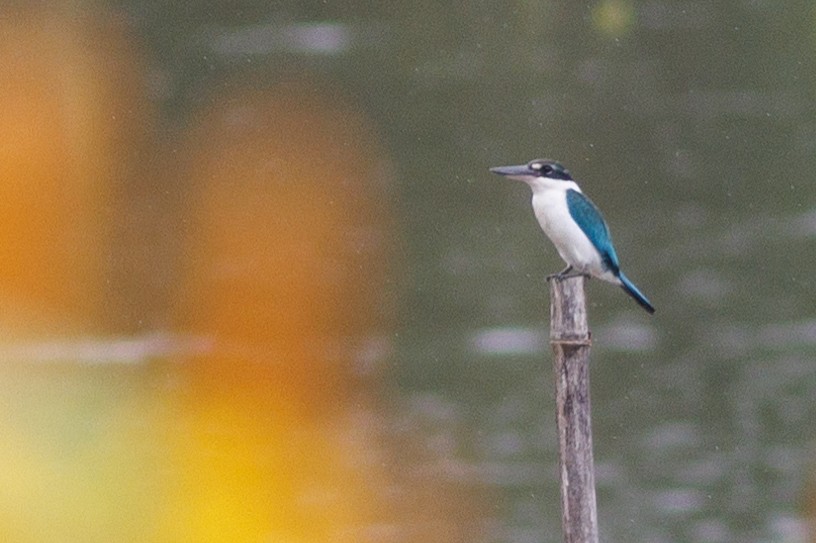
(630, 289)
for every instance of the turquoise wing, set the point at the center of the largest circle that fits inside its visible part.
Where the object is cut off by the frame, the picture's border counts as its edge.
(590, 220)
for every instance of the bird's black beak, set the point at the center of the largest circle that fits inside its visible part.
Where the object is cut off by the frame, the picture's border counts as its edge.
(512, 171)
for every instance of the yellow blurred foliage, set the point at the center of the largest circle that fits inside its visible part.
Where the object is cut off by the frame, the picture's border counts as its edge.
(251, 472)
(80, 462)
(613, 18)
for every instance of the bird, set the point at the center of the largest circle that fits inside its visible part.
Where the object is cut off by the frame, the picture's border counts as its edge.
(574, 224)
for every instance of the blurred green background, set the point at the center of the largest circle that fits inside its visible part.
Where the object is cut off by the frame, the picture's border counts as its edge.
(258, 284)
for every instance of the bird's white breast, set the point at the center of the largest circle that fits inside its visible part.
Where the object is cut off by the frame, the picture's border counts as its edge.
(550, 208)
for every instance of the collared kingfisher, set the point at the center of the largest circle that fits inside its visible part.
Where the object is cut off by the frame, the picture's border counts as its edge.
(574, 224)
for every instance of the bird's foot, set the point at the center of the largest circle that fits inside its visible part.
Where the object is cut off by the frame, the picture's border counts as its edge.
(566, 273)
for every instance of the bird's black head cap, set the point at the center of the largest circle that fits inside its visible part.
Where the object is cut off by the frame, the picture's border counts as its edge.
(551, 169)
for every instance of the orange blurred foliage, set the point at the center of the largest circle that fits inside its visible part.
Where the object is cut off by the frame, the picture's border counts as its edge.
(73, 111)
(289, 274)
(290, 238)
(290, 242)
(276, 432)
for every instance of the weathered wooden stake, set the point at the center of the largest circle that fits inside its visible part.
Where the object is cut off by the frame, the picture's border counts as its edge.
(570, 340)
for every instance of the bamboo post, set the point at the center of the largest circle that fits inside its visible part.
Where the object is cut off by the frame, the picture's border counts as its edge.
(570, 340)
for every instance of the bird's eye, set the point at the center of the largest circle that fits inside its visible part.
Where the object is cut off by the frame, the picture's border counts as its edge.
(546, 169)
